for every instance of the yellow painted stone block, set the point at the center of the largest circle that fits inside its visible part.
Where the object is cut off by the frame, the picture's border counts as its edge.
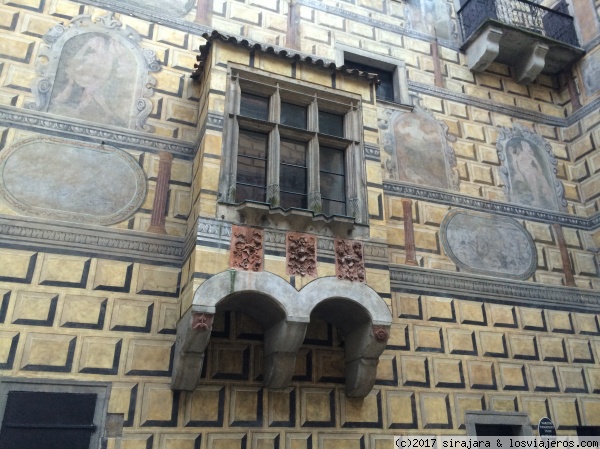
(48, 350)
(57, 269)
(17, 265)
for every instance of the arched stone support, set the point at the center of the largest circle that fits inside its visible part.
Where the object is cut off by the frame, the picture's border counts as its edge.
(284, 313)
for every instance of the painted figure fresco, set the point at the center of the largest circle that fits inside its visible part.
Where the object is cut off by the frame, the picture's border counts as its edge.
(590, 68)
(529, 170)
(95, 70)
(94, 80)
(431, 17)
(419, 150)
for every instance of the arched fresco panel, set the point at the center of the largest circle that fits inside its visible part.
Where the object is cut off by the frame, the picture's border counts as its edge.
(95, 70)
(418, 149)
(529, 170)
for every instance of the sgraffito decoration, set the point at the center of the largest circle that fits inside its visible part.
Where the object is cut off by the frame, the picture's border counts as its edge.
(49, 177)
(95, 70)
(488, 244)
(247, 248)
(529, 170)
(349, 260)
(301, 252)
(418, 149)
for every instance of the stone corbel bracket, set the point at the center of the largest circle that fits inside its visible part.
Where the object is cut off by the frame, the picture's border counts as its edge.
(355, 309)
(484, 50)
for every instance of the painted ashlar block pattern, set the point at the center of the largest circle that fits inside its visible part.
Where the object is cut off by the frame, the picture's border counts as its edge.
(104, 320)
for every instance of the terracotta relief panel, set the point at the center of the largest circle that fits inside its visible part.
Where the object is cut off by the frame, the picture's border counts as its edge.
(529, 170)
(247, 248)
(73, 181)
(301, 252)
(488, 244)
(349, 260)
(418, 149)
(95, 70)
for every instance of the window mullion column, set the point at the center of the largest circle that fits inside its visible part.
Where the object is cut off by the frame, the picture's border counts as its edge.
(312, 160)
(355, 179)
(231, 130)
(273, 158)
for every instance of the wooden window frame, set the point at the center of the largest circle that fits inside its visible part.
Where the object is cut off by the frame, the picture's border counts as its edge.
(314, 98)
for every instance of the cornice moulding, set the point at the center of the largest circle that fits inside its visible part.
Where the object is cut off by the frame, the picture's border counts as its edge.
(54, 125)
(451, 284)
(96, 241)
(480, 204)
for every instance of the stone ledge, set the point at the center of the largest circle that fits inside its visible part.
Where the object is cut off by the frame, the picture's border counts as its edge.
(481, 204)
(418, 280)
(95, 241)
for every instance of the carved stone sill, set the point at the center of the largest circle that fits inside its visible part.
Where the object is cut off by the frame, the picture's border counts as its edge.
(297, 220)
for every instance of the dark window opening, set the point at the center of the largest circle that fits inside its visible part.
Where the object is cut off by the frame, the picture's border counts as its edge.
(331, 124)
(385, 90)
(588, 431)
(254, 106)
(252, 167)
(293, 115)
(292, 173)
(492, 430)
(48, 420)
(332, 172)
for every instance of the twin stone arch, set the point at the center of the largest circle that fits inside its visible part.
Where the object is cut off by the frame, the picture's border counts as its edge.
(355, 309)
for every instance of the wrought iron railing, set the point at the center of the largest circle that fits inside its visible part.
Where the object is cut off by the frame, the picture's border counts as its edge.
(553, 23)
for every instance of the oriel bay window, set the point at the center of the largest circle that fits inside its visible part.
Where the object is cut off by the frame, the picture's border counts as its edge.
(292, 145)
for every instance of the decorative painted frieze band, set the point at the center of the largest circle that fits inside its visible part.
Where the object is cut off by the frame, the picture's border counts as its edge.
(66, 127)
(512, 111)
(480, 204)
(40, 235)
(469, 286)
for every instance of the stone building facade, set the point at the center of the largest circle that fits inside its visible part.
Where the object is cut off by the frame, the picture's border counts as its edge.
(296, 223)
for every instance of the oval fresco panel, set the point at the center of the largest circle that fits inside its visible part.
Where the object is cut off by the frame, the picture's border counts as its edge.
(73, 181)
(488, 244)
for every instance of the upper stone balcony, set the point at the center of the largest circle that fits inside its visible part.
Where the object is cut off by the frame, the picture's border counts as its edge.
(530, 38)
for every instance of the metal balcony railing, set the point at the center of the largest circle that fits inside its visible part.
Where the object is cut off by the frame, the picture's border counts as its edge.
(553, 23)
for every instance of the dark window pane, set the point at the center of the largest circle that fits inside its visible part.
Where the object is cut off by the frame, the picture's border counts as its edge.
(252, 144)
(331, 160)
(331, 124)
(251, 167)
(293, 115)
(28, 407)
(293, 179)
(293, 152)
(333, 207)
(333, 186)
(288, 200)
(252, 171)
(30, 418)
(19, 438)
(254, 106)
(250, 193)
(385, 90)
